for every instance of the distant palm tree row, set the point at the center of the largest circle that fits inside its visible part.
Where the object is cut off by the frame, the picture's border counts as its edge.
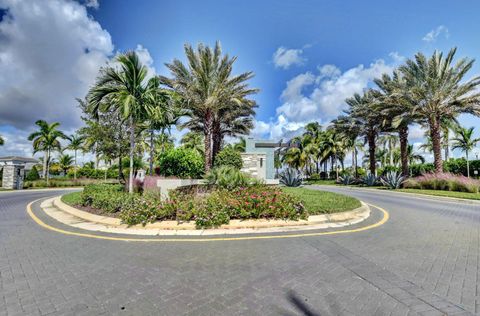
(430, 91)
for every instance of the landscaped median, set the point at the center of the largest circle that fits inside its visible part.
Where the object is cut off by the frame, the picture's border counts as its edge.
(319, 210)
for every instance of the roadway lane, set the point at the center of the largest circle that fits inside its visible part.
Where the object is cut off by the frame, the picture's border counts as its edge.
(423, 260)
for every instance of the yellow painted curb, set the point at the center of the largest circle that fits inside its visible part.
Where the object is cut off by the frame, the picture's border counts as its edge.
(58, 230)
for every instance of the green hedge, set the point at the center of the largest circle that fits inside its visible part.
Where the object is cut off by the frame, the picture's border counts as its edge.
(229, 157)
(181, 162)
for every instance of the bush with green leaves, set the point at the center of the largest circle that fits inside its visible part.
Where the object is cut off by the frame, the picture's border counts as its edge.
(207, 210)
(182, 163)
(291, 178)
(392, 180)
(32, 174)
(228, 156)
(228, 177)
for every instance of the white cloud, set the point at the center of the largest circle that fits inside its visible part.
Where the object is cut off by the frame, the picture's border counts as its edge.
(278, 129)
(284, 57)
(327, 91)
(49, 54)
(92, 4)
(435, 33)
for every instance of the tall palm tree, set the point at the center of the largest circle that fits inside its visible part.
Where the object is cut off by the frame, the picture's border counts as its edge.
(428, 145)
(464, 141)
(414, 157)
(65, 161)
(194, 141)
(207, 88)
(368, 121)
(76, 144)
(46, 139)
(440, 93)
(333, 148)
(162, 113)
(350, 131)
(124, 88)
(397, 104)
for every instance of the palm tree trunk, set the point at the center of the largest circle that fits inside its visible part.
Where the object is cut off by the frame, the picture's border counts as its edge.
(436, 144)
(132, 149)
(356, 160)
(468, 164)
(47, 168)
(75, 167)
(45, 165)
(371, 152)
(152, 135)
(390, 148)
(403, 135)
(208, 141)
(120, 168)
(217, 141)
(447, 146)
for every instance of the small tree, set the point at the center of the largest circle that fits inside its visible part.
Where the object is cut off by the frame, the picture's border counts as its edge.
(464, 141)
(229, 157)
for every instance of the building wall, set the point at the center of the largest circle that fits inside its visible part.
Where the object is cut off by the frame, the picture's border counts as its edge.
(255, 165)
(268, 152)
(13, 177)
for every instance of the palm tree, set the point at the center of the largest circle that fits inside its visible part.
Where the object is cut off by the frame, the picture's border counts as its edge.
(299, 152)
(124, 88)
(65, 162)
(350, 131)
(333, 148)
(76, 143)
(211, 95)
(389, 142)
(162, 113)
(439, 92)
(241, 145)
(414, 157)
(367, 120)
(396, 104)
(194, 141)
(46, 139)
(464, 141)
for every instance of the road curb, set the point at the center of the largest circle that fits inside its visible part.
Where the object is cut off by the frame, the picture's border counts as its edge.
(71, 216)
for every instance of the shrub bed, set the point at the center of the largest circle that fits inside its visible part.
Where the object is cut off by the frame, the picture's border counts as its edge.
(443, 181)
(207, 210)
(63, 182)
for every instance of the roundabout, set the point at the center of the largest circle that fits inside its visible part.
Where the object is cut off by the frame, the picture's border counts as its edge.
(420, 261)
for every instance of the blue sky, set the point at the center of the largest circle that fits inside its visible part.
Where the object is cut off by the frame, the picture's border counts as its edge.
(307, 55)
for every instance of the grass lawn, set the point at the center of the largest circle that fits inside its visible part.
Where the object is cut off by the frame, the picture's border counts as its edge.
(72, 199)
(321, 202)
(453, 194)
(321, 182)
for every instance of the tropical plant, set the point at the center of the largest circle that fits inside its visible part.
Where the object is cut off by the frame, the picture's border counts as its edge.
(440, 93)
(216, 102)
(228, 177)
(414, 157)
(346, 180)
(465, 141)
(241, 145)
(370, 180)
(392, 180)
(367, 120)
(194, 141)
(65, 162)
(291, 178)
(46, 139)
(125, 89)
(76, 144)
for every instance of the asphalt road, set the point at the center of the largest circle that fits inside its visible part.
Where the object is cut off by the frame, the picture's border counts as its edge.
(423, 260)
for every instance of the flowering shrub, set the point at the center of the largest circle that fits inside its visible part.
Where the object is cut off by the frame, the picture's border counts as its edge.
(443, 181)
(207, 210)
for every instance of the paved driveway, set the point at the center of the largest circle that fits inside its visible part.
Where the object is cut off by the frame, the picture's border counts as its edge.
(424, 260)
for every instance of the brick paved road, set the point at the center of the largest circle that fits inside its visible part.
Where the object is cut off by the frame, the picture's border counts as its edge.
(424, 260)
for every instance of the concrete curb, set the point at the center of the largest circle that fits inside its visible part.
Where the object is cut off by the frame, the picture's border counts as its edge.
(71, 216)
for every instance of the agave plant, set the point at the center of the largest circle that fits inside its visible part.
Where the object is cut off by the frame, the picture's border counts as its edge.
(346, 180)
(393, 180)
(291, 178)
(370, 180)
